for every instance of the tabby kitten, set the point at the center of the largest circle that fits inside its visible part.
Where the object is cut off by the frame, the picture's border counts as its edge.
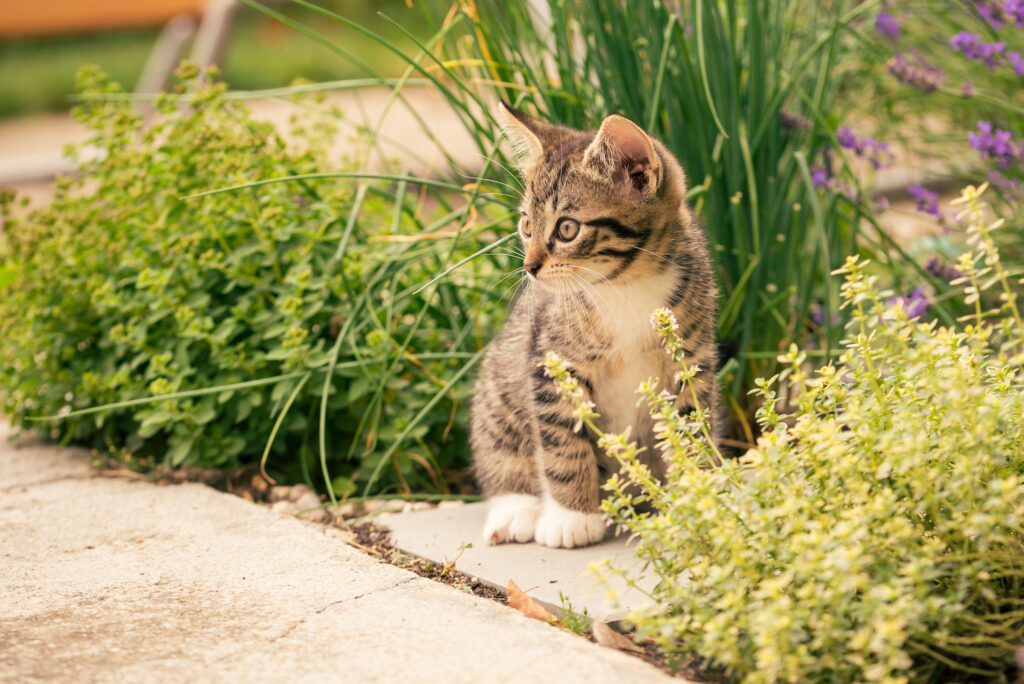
(608, 238)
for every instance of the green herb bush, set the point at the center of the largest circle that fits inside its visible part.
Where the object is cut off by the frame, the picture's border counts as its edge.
(876, 532)
(291, 320)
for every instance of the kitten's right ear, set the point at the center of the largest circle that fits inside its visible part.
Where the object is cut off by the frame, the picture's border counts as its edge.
(526, 134)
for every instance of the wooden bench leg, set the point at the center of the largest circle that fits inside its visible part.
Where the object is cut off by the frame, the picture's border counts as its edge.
(165, 54)
(214, 31)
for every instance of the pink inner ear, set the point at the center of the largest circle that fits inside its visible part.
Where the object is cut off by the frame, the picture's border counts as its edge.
(630, 143)
(633, 150)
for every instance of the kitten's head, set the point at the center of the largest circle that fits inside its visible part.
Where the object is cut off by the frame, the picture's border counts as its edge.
(597, 208)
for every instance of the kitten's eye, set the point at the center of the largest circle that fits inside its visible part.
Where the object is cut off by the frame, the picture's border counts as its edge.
(568, 229)
(524, 225)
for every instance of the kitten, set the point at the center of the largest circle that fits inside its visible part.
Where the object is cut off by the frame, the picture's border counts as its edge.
(608, 238)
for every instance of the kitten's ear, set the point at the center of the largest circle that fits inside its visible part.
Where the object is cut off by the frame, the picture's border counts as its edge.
(623, 152)
(527, 135)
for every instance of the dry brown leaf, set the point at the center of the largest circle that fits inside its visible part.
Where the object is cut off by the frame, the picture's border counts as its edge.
(518, 599)
(606, 636)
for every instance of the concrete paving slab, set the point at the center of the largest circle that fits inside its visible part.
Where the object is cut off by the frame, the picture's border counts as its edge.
(438, 534)
(115, 580)
(38, 462)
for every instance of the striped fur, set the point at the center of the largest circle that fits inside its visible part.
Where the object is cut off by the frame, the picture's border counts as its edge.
(637, 247)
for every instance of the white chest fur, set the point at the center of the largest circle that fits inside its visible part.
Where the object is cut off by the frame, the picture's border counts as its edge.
(636, 354)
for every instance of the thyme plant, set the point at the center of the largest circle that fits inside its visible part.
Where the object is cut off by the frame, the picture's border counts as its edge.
(876, 531)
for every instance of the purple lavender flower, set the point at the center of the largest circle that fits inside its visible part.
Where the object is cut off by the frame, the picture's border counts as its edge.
(820, 177)
(927, 200)
(915, 71)
(792, 121)
(914, 305)
(966, 43)
(992, 54)
(1010, 187)
(887, 26)
(846, 138)
(1015, 11)
(878, 153)
(1016, 61)
(994, 144)
(991, 11)
(938, 268)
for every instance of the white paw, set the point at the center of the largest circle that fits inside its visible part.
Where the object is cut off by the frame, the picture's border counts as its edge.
(561, 528)
(511, 518)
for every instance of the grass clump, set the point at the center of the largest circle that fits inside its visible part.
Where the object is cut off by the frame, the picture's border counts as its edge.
(876, 532)
(286, 320)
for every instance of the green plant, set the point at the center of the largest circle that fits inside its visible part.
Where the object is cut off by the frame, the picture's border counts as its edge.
(945, 77)
(742, 92)
(577, 623)
(303, 322)
(448, 566)
(876, 532)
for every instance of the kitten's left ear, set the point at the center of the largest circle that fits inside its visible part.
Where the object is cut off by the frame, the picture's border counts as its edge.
(529, 137)
(625, 153)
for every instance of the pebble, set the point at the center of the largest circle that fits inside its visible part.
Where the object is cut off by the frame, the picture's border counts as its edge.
(307, 500)
(384, 506)
(451, 503)
(284, 507)
(317, 515)
(278, 493)
(258, 484)
(298, 491)
(411, 506)
(348, 510)
(344, 535)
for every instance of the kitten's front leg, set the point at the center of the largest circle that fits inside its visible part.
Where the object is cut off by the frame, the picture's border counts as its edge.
(569, 514)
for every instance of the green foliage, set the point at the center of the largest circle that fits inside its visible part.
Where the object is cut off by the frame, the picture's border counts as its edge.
(575, 623)
(932, 121)
(290, 310)
(744, 93)
(876, 532)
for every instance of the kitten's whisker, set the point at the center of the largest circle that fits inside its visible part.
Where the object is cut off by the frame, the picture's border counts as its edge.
(584, 268)
(515, 289)
(593, 288)
(481, 179)
(583, 306)
(655, 254)
(514, 273)
(515, 176)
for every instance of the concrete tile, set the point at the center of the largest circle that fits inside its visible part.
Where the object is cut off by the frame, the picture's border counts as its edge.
(25, 461)
(544, 572)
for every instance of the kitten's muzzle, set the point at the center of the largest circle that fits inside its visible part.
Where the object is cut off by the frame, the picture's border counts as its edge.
(533, 267)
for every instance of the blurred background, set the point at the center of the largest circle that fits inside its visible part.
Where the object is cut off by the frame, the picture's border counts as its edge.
(42, 44)
(138, 44)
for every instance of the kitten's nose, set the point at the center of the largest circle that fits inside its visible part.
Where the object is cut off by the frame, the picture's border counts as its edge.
(532, 267)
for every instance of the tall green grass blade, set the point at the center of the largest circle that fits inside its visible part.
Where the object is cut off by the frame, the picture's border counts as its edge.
(280, 419)
(375, 475)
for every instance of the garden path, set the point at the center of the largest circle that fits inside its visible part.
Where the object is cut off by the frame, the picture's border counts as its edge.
(107, 579)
